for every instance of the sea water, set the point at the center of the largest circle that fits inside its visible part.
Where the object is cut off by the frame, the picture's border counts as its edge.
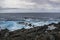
(15, 25)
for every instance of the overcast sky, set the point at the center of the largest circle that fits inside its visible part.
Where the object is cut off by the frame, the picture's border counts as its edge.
(30, 5)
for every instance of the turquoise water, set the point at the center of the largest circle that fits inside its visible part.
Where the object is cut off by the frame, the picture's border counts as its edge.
(14, 25)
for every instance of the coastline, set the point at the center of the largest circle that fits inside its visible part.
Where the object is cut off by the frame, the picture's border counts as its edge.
(36, 33)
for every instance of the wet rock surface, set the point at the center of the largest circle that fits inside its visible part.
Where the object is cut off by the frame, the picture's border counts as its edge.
(36, 33)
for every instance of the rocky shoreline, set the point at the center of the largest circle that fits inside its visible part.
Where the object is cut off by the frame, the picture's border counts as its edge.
(36, 33)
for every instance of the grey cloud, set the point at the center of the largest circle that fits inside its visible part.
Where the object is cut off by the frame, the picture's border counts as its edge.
(41, 5)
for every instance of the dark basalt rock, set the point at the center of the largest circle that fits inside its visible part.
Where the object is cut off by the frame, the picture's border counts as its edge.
(36, 33)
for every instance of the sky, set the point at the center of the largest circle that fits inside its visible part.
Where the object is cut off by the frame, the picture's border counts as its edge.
(29, 6)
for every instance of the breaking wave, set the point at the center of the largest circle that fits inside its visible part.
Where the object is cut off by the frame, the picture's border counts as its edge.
(14, 25)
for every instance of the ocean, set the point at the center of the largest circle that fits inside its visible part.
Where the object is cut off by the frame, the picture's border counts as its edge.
(15, 21)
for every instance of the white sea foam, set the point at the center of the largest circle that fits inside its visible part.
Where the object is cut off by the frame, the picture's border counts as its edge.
(13, 25)
(51, 27)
